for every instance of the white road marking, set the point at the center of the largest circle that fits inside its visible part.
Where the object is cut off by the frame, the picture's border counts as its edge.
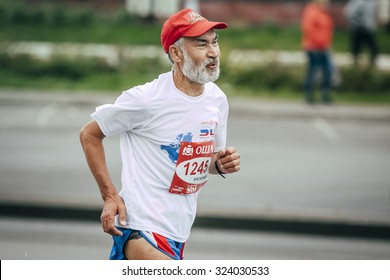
(327, 130)
(45, 114)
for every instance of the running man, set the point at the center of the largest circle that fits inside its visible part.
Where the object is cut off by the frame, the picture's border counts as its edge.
(172, 136)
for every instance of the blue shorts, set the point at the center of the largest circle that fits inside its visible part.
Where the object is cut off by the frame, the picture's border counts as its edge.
(172, 249)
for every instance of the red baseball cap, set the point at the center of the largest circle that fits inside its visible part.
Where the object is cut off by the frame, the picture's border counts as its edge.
(186, 23)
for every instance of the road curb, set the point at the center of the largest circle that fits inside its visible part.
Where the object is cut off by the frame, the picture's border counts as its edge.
(312, 227)
(299, 110)
(238, 106)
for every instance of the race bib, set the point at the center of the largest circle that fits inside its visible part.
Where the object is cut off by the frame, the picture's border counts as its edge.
(192, 167)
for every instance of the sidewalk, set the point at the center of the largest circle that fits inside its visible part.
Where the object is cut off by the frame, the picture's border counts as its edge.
(307, 222)
(291, 109)
(238, 105)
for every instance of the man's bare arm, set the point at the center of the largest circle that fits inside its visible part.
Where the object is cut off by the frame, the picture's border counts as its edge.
(91, 138)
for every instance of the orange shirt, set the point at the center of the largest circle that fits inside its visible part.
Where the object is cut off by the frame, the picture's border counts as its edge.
(317, 28)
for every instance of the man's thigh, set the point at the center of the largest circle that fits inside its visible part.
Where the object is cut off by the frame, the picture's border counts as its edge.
(140, 249)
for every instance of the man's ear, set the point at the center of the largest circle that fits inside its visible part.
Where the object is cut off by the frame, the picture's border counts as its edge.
(175, 53)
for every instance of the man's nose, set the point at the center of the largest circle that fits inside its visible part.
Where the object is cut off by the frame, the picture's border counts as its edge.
(213, 51)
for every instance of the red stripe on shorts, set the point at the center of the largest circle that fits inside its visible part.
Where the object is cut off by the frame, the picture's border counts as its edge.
(163, 244)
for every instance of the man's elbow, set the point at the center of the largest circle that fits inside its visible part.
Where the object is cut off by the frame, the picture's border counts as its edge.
(90, 132)
(83, 135)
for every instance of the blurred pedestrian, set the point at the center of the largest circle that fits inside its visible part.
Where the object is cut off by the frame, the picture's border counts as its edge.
(384, 14)
(172, 135)
(317, 34)
(362, 15)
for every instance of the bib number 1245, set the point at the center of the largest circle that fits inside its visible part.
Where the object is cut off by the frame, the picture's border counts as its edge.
(195, 168)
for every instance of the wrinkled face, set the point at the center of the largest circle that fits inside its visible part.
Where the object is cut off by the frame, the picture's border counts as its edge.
(201, 58)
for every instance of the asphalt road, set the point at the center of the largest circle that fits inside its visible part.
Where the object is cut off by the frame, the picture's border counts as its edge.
(24, 239)
(310, 167)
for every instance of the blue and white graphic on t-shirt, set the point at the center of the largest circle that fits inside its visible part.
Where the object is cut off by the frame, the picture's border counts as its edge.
(173, 148)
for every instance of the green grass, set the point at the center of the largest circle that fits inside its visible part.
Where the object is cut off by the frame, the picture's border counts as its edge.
(134, 34)
(55, 24)
(261, 37)
(143, 34)
(50, 21)
(270, 81)
(81, 74)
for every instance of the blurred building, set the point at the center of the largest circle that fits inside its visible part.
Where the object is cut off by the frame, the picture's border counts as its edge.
(159, 8)
(239, 12)
(253, 12)
(152, 8)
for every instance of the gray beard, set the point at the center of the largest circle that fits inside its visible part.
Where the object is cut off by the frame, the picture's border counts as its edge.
(199, 74)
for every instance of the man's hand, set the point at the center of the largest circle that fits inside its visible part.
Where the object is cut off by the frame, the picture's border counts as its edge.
(113, 206)
(228, 160)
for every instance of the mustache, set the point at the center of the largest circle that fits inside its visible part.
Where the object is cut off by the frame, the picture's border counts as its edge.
(214, 60)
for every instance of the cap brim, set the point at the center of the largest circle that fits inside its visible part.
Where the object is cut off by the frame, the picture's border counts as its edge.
(202, 27)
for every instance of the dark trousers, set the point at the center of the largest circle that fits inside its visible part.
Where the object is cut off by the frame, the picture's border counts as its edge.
(360, 37)
(318, 60)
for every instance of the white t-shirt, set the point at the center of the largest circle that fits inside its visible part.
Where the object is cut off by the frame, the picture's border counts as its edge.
(153, 119)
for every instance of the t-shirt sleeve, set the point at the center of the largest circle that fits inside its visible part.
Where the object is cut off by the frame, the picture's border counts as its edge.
(221, 135)
(127, 113)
